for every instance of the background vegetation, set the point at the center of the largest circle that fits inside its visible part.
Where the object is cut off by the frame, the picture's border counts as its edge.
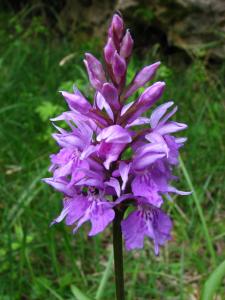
(41, 263)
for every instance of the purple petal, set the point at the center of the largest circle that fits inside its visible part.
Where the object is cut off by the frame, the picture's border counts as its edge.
(146, 160)
(133, 231)
(172, 189)
(145, 101)
(171, 127)
(119, 67)
(146, 187)
(114, 134)
(145, 75)
(88, 151)
(73, 210)
(76, 90)
(63, 213)
(62, 157)
(76, 118)
(158, 113)
(126, 107)
(126, 45)
(167, 116)
(110, 152)
(101, 103)
(138, 121)
(60, 185)
(110, 94)
(109, 51)
(161, 228)
(124, 171)
(147, 220)
(150, 148)
(114, 183)
(180, 140)
(157, 139)
(64, 170)
(123, 198)
(61, 130)
(91, 178)
(100, 218)
(77, 208)
(95, 71)
(151, 94)
(117, 27)
(77, 173)
(67, 140)
(77, 102)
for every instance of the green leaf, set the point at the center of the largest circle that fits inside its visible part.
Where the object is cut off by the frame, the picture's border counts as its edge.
(46, 284)
(105, 277)
(47, 110)
(213, 282)
(200, 212)
(78, 294)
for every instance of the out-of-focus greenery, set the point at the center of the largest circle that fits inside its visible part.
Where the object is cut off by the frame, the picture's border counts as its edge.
(38, 262)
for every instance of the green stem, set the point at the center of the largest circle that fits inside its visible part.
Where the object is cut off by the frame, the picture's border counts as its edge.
(118, 254)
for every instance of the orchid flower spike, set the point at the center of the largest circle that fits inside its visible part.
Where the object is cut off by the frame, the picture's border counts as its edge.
(92, 170)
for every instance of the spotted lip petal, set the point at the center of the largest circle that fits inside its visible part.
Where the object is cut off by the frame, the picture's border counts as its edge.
(147, 221)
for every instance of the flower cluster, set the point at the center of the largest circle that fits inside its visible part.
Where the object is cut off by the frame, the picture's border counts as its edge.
(112, 156)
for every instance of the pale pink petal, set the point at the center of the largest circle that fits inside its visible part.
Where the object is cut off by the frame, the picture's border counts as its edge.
(158, 113)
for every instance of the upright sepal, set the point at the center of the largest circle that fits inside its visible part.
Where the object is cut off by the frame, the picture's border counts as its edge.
(77, 102)
(95, 71)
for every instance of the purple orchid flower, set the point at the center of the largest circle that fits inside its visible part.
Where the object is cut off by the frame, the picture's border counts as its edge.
(93, 208)
(92, 168)
(149, 221)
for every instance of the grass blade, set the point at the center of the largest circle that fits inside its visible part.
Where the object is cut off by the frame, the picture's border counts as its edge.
(105, 277)
(9, 107)
(78, 294)
(47, 287)
(25, 199)
(213, 282)
(200, 212)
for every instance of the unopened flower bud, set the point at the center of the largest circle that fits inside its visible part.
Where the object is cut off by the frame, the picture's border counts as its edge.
(151, 94)
(110, 94)
(119, 67)
(126, 45)
(117, 27)
(145, 101)
(95, 71)
(109, 51)
(142, 77)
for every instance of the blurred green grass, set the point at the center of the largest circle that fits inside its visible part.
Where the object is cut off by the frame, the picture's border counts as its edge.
(38, 262)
